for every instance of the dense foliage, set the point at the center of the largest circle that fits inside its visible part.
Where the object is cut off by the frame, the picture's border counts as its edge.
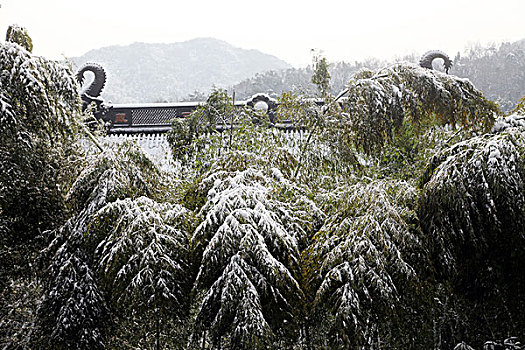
(38, 122)
(472, 213)
(380, 102)
(393, 218)
(19, 35)
(361, 260)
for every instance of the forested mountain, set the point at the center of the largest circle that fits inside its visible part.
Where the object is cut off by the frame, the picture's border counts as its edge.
(497, 70)
(300, 79)
(143, 72)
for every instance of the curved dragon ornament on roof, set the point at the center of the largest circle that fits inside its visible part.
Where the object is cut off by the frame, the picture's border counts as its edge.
(427, 59)
(91, 92)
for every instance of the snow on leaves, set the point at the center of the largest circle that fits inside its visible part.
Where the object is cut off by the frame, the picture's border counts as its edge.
(472, 214)
(38, 117)
(379, 102)
(249, 260)
(38, 120)
(73, 309)
(233, 304)
(120, 172)
(262, 258)
(38, 95)
(141, 252)
(511, 121)
(474, 192)
(359, 256)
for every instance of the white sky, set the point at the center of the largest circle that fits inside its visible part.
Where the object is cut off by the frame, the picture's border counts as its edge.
(344, 30)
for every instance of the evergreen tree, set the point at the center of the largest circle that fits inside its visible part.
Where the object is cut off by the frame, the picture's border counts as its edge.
(321, 76)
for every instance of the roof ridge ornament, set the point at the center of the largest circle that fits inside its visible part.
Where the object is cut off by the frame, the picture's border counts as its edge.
(427, 59)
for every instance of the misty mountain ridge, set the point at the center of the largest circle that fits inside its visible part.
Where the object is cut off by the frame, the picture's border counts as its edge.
(144, 72)
(173, 72)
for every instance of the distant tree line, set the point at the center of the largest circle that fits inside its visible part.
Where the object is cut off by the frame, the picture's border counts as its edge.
(497, 70)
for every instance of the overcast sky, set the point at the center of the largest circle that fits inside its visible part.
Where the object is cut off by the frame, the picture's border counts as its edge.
(344, 30)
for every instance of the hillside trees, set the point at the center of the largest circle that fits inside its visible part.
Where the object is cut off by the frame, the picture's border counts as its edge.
(497, 70)
(299, 80)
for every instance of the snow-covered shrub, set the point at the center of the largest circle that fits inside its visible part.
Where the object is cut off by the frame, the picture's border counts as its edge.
(511, 121)
(472, 213)
(516, 118)
(73, 307)
(119, 172)
(39, 115)
(360, 260)
(73, 312)
(142, 257)
(114, 174)
(473, 195)
(19, 35)
(141, 248)
(249, 241)
(379, 102)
